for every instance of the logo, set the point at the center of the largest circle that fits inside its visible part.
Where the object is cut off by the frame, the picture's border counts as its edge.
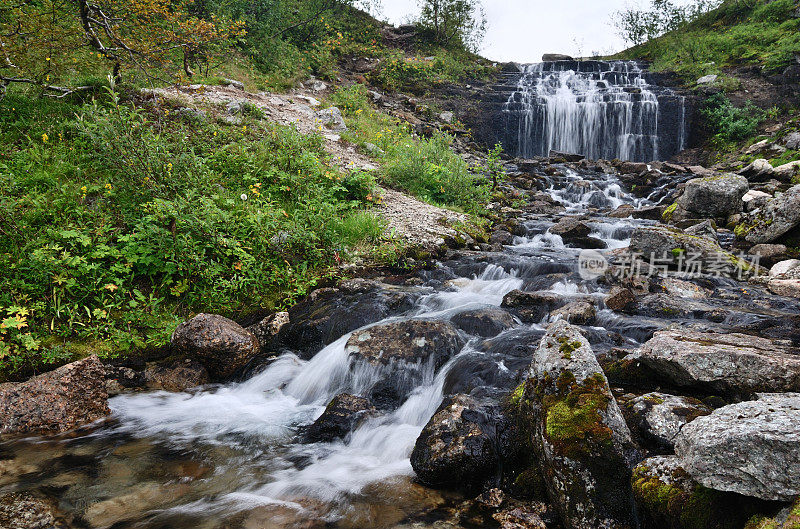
(591, 264)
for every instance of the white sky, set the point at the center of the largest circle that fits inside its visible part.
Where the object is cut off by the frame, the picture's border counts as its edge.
(523, 30)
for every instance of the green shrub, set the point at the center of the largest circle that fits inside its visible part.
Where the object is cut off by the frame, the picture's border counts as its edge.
(728, 123)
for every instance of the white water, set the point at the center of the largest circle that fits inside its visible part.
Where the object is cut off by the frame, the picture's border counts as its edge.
(597, 109)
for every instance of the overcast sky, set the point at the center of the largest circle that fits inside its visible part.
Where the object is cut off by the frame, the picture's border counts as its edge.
(522, 30)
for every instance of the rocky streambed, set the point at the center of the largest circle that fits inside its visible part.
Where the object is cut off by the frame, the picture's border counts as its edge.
(585, 367)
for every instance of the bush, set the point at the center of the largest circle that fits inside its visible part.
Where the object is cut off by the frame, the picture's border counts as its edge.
(729, 123)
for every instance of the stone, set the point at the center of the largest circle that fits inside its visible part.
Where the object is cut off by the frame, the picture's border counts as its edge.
(520, 518)
(408, 342)
(221, 345)
(579, 313)
(343, 415)
(758, 147)
(267, 329)
(777, 218)
(707, 80)
(735, 365)
(176, 378)
(758, 170)
(457, 446)
(447, 117)
(620, 299)
(785, 269)
(332, 118)
(233, 83)
(659, 417)
(718, 196)
(66, 398)
(789, 288)
(26, 510)
(533, 306)
(704, 229)
(769, 254)
(571, 230)
(792, 141)
(486, 322)
(788, 171)
(667, 496)
(317, 85)
(578, 435)
(754, 199)
(553, 57)
(750, 448)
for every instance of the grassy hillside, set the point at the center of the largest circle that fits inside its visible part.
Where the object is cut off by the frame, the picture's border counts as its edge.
(738, 33)
(119, 217)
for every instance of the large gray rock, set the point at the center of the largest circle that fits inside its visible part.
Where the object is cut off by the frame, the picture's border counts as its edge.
(737, 365)
(457, 447)
(221, 345)
(712, 197)
(70, 396)
(578, 433)
(332, 118)
(777, 218)
(751, 448)
(659, 417)
(486, 322)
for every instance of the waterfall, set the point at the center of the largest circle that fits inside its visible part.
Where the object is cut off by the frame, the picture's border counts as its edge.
(595, 108)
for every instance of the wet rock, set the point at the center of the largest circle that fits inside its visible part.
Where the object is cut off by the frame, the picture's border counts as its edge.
(520, 518)
(221, 345)
(777, 218)
(267, 329)
(325, 317)
(668, 497)
(25, 510)
(501, 237)
(751, 448)
(342, 415)
(669, 307)
(579, 313)
(456, 447)
(648, 212)
(408, 342)
(578, 434)
(70, 396)
(138, 500)
(176, 378)
(770, 254)
(620, 299)
(570, 229)
(486, 322)
(332, 118)
(659, 417)
(120, 379)
(532, 306)
(712, 197)
(737, 365)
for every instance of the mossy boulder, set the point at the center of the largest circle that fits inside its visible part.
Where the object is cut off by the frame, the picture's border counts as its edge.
(780, 216)
(578, 434)
(718, 196)
(668, 498)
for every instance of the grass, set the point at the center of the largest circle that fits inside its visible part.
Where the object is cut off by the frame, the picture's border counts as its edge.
(736, 34)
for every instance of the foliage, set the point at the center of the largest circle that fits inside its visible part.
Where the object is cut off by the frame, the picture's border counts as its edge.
(736, 33)
(728, 123)
(460, 23)
(638, 26)
(116, 221)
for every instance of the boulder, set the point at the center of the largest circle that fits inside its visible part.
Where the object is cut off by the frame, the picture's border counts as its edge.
(704, 229)
(718, 196)
(579, 313)
(789, 288)
(736, 365)
(754, 200)
(758, 170)
(777, 218)
(332, 118)
(707, 80)
(267, 329)
(792, 141)
(667, 497)
(769, 254)
(54, 402)
(406, 342)
(221, 345)
(576, 233)
(532, 307)
(486, 322)
(457, 447)
(620, 299)
(176, 378)
(553, 57)
(788, 171)
(751, 448)
(342, 415)
(788, 269)
(659, 417)
(578, 434)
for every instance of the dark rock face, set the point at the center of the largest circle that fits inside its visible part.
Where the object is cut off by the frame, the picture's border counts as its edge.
(70, 396)
(484, 322)
(737, 365)
(330, 314)
(668, 497)
(221, 345)
(342, 415)
(659, 417)
(751, 448)
(579, 436)
(456, 447)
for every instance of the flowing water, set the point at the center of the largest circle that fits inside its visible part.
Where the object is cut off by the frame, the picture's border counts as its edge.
(230, 456)
(598, 109)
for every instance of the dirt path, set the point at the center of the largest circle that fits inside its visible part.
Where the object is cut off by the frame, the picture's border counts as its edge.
(413, 221)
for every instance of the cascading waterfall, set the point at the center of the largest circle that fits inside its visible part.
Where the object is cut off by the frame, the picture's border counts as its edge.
(597, 109)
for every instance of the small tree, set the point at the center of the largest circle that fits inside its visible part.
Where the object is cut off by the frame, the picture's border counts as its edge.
(638, 26)
(42, 41)
(454, 22)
